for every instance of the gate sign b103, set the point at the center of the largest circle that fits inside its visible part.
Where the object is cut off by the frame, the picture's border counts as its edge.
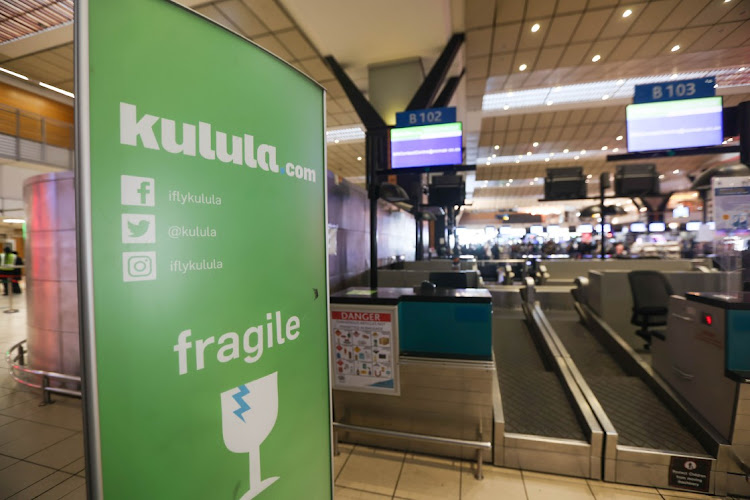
(672, 91)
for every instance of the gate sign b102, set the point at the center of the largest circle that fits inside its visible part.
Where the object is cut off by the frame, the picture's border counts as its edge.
(430, 116)
(672, 91)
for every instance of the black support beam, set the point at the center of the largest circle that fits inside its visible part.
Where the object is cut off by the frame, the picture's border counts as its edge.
(425, 95)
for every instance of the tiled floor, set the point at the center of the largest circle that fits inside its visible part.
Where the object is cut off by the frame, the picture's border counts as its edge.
(41, 456)
(364, 473)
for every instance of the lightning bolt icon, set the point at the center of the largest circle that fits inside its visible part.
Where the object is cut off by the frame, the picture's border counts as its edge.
(243, 406)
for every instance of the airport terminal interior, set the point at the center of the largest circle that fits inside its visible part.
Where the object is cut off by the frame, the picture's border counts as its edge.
(538, 245)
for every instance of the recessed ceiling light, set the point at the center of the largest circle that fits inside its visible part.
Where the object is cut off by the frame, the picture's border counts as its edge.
(730, 139)
(583, 151)
(627, 13)
(675, 48)
(510, 180)
(494, 155)
(13, 73)
(741, 69)
(528, 153)
(506, 107)
(552, 154)
(676, 171)
(589, 176)
(535, 144)
(604, 148)
(549, 103)
(487, 162)
(531, 183)
(546, 159)
(723, 142)
(522, 67)
(497, 146)
(535, 28)
(536, 179)
(359, 158)
(727, 1)
(596, 58)
(605, 97)
(643, 209)
(618, 138)
(576, 157)
(615, 150)
(556, 89)
(518, 161)
(566, 150)
(661, 176)
(336, 141)
(716, 85)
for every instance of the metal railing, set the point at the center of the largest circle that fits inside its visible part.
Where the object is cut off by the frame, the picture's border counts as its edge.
(26, 136)
(479, 445)
(16, 356)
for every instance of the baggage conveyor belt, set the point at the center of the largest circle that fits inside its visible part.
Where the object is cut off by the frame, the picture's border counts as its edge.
(641, 419)
(534, 401)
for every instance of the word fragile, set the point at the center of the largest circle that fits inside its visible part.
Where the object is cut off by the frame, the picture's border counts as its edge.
(229, 346)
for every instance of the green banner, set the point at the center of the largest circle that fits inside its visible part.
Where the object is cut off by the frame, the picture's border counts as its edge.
(203, 252)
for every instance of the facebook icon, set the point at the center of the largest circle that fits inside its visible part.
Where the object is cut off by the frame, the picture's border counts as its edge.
(138, 191)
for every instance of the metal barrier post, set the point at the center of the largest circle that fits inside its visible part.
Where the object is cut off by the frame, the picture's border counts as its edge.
(479, 475)
(9, 284)
(46, 395)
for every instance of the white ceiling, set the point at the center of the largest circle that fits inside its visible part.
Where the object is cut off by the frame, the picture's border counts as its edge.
(712, 34)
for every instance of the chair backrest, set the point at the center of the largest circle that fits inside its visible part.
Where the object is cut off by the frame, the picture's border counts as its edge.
(650, 289)
(455, 279)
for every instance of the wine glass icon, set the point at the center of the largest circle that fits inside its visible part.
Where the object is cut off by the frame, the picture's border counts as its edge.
(248, 414)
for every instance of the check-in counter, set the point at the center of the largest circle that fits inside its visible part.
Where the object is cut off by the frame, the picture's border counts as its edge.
(705, 358)
(436, 379)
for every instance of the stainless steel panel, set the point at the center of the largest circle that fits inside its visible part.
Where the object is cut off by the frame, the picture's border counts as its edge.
(44, 349)
(66, 208)
(737, 485)
(68, 300)
(66, 252)
(45, 295)
(41, 258)
(71, 358)
(551, 461)
(566, 446)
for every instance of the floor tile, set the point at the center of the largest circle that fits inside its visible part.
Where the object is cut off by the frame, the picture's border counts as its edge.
(684, 494)
(77, 494)
(66, 489)
(62, 413)
(371, 469)
(617, 486)
(340, 460)
(21, 475)
(547, 487)
(21, 438)
(40, 487)
(428, 478)
(6, 461)
(341, 493)
(76, 467)
(6, 420)
(608, 493)
(496, 480)
(15, 398)
(60, 454)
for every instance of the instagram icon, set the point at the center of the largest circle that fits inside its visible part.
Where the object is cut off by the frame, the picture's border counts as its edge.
(138, 266)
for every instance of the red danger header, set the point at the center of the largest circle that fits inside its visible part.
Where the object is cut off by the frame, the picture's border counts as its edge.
(361, 316)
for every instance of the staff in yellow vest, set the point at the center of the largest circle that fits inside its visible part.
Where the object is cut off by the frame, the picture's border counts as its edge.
(8, 263)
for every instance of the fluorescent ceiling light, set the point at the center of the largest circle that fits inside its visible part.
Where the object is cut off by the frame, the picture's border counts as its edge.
(13, 73)
(346, 134)
(14, 221)
(540, 157)
(593, 91)
(55, 89)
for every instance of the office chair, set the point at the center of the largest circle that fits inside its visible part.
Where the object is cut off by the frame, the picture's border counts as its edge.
(651, 291)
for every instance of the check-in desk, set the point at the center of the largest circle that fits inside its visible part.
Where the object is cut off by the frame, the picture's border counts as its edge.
(436, 381)
(706, 359)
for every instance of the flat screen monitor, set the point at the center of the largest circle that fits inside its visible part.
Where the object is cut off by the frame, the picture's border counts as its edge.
(636, 180)
(638, 227)
(426, 146)
(607, 227)
(447, 191)
(553, 229)
(681, 212)
(687, 123)
(537, 230)
(585, 228)
(657, 227)
(566, 183)
(693, 226)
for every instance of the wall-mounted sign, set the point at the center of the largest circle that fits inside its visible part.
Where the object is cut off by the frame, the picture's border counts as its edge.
(672, 91)
(202, 192)
(364, 348)
(431, 116)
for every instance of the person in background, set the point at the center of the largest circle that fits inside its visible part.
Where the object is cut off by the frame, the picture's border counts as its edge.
(8, 262)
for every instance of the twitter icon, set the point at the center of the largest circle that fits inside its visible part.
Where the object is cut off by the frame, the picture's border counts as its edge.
(138, 228)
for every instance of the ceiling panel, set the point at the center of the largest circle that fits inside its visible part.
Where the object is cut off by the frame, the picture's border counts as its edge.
(242, 17)
(561, 29)
(508, 11)
(591, 25)
(506, 37)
